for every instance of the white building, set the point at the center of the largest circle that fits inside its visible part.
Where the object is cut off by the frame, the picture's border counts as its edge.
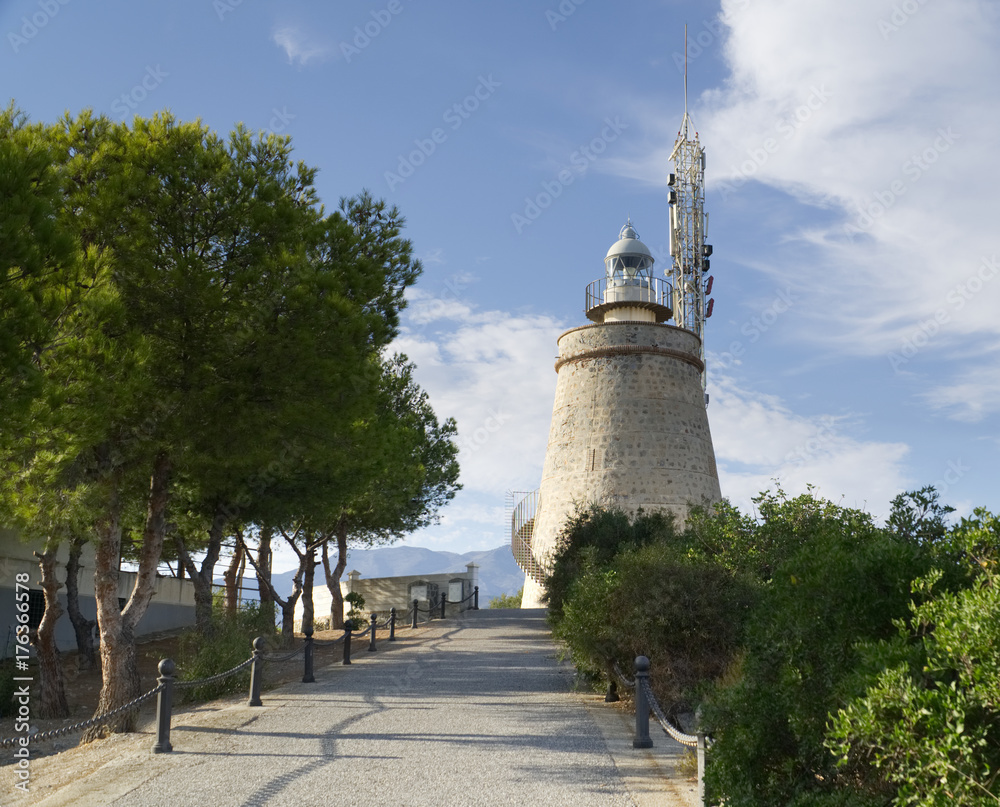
(172, 605)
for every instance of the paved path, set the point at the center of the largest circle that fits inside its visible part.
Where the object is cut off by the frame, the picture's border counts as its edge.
(472, 711)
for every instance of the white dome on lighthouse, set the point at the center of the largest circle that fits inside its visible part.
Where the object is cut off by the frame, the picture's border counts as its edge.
(628, 243)
(628, 260)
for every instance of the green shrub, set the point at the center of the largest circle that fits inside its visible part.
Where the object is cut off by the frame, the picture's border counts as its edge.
(846, 583)
(684, 613)
(508, 600)
(228, 644)
(592, 538)
(929, 719)
(828, 677)
(357, 602)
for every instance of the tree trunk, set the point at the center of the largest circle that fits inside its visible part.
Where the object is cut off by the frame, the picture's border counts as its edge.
(202, 578)
(120, 680)
(119, 670)
(308, 610)
(52, 695)
(263, 571)
(333, 578)
(287, 605)
(288, 617)
(86, 655)
(233, 573)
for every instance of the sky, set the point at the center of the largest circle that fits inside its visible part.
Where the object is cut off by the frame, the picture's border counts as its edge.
(852, 172)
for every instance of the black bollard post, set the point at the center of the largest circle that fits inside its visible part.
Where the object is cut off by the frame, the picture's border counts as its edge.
(307, 674)
(642, 739)
(702, 748)
(392, 624)
(415, 604)
(444, 602)
(348, 627)
(702, 745)
(371, 641)
(164, 703)
(475, 599)
(256, 670)
(612, 694)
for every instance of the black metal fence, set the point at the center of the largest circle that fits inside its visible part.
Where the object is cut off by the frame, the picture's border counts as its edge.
(166, 683)
(441, 607)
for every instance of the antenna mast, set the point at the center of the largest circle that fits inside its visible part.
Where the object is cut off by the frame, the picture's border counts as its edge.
(688, 225)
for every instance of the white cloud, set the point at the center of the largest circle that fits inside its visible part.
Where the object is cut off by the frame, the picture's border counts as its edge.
(433, 256)
(973, 395)
(298, 47)
(493, 372)
(758, 439)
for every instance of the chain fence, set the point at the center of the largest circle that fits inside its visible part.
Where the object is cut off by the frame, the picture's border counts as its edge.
(213, 678)
(440, 606)
(53, 734)
(328, 642)
(690, 740)
(285, 657)
(163, 691)
(647, 702)
(628, 683)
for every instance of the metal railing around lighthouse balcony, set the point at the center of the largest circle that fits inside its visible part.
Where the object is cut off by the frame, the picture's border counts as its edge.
(653, 293)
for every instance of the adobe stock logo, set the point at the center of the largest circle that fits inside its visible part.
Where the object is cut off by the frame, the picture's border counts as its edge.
(31, 26)
(757, 326)
(581, 159)
(481, 435)
(454, 116)
(130, 100)
(956, 298)
(363, 35)
(562, 12)
(879, 203)
(787, 127)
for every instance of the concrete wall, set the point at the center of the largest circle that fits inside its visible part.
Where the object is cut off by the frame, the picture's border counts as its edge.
(384, 593)
(172, 605)
(629, 429)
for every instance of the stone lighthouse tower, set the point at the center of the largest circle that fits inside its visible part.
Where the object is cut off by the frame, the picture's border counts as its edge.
(629, 423)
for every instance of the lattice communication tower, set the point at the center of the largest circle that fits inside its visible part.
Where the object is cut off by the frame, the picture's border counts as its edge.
(688, 230)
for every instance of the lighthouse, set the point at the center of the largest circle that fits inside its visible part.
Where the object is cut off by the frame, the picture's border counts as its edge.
(629, 422)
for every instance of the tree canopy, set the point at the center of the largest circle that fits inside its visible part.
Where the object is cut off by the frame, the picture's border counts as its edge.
(206, 348)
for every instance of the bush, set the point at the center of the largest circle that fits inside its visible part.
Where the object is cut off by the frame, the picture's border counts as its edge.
(508, 600)
(685, 613)
(929, 719)
(838, 663)
(592, 538)
(845, 583)
(357, 602)
(228, 644)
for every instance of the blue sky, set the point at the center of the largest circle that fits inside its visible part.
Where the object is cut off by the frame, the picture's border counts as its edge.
(852, 191)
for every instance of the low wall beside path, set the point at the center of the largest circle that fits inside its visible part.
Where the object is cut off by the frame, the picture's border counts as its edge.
(384, 593)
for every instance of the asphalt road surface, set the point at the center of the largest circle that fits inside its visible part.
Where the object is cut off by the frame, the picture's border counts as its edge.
(476, 710)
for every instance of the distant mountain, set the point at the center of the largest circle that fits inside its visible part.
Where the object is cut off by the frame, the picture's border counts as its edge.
(498, 571)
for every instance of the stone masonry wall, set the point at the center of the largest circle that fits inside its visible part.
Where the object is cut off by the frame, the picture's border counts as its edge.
(629, 428)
